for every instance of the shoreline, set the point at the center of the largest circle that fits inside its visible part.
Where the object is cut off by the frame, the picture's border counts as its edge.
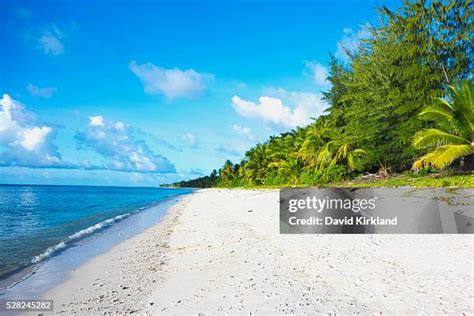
(36, 279)
(10, 279)
(79, 294)
(220, 250)
(69, 220)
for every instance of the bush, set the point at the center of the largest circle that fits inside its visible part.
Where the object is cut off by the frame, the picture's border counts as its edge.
(275, 178)
(421, 173)
(327, 175)
(310, 177)
(334, 174)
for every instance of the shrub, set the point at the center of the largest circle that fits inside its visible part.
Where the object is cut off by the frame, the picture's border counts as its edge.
(327, 175)
(275, 178)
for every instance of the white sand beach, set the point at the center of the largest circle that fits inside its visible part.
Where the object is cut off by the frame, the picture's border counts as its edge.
(220, 252)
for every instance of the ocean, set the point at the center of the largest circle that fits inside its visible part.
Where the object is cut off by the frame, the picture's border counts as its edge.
(38, 222)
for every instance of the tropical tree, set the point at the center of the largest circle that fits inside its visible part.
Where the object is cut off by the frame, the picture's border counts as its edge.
(290, 168)
(226, 173)
(338, 153)
(255, 166)
(455, 138)
(346, 157)
(316, 136)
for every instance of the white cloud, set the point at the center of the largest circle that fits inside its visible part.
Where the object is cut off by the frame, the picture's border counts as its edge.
(34, 137)
(173, 83)
(245, 131)
(24, 141)
(303, 106)
(119, 125)
(50, 44)
(190, 140)
(318, 72)
(50, 41)
(98, 120)
(121, 147)
(40, 92)
(350, 41)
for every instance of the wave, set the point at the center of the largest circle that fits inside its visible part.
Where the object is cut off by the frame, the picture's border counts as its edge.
(80, 234)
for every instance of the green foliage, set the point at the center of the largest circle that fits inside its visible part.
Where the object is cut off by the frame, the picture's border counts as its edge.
(201, 182)
(463, 181)
(275, 178)
(423, 172)
(456, 117)
(324, 176)
(375, 101)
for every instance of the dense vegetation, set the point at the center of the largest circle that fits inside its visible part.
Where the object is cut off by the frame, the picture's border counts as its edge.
(402, 102)
(201, 182)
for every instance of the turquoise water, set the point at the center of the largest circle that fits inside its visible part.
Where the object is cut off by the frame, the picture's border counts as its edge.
(37, 222)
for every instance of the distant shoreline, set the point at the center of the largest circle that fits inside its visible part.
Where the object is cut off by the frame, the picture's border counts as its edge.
(78, 185)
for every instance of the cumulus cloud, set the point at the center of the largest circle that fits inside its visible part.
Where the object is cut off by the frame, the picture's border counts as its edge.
(301, 108)
(40, 92)
(190, 140)
(318, 72)
(118, 143)
(351, 40)
(24, 141)
(245, 131)
(173, 83)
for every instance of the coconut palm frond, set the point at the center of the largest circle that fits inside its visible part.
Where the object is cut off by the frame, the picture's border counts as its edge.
(437, 112)
(323, 156)
(434, 137)
(456, 116)
(359, 152)
(350, 162)
(443, 156)
(463, 105)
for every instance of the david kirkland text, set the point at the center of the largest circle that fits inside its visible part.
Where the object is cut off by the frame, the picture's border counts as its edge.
(328, 220)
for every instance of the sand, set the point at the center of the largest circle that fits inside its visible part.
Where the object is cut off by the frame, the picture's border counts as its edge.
(220, 252)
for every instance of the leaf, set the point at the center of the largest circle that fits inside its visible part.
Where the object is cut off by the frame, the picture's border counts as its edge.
(434, 137)
(443, 156)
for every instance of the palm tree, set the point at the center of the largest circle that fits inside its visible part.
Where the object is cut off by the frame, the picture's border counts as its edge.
(280, 147)
(454, 139)
(336, 152)
(255, 168)
(344, 155)
(290, 167)
(316, 136)
(226, 173)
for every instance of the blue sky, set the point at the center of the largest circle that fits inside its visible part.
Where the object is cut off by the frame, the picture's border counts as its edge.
(140, 93)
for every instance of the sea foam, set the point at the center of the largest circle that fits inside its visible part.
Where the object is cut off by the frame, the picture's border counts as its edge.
(80, 234)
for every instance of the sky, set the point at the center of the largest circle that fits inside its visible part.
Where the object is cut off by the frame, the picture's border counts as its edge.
(141, 93)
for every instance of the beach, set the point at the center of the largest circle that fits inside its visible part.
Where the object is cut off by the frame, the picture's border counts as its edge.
(220, 251)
